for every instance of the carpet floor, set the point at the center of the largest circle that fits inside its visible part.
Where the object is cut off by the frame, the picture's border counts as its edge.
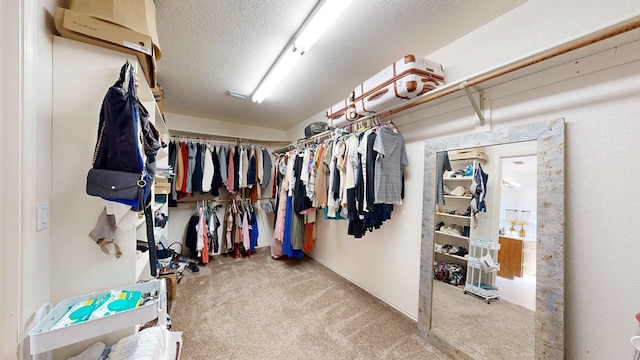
(261, 308)
(500, 330)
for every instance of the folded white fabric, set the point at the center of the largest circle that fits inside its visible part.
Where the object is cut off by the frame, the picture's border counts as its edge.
(94, 352)
(147, 344)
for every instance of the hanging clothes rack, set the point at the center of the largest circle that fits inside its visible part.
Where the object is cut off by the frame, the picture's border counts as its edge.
(346, 128)
(217, 200)
(187, 136)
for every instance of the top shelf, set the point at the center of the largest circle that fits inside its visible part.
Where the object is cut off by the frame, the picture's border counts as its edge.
(469, 155)
(466, 178)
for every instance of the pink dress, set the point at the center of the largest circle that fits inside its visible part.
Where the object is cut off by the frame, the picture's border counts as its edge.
(278, 232)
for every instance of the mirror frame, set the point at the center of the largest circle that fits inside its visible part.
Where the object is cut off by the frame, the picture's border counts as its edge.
(549, 316)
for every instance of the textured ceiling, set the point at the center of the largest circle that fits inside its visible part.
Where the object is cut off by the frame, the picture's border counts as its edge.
(213, 46)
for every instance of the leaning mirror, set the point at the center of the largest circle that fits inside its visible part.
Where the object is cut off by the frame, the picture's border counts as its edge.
(492, 265)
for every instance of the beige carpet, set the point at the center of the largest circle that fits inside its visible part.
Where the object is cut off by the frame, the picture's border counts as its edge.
(261, 308)
(500, 330)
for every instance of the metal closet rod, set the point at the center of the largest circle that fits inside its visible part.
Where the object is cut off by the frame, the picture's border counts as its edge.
(366, 122)
(226, 139)
(578, 43)
(216, 200)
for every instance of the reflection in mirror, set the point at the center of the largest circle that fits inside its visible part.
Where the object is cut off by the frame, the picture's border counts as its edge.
(517, 227)
(481, 302)
(506, 328)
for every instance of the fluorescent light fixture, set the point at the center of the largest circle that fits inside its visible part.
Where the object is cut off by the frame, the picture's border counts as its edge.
(318, 22)
(281, 67)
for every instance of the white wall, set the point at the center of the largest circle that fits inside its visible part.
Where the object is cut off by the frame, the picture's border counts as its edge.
(9, 217)
(26, 144)
(222, 128)
(601, 138)
(601, 113)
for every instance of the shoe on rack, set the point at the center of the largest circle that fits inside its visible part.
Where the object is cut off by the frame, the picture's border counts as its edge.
(461, 251)
(467, 193)
(465, 231)
(446, 189)
(468, 212)
(446, 228)
(456, 230)
(457, 174)
(439, 225)
(458, 191)
(468, 171)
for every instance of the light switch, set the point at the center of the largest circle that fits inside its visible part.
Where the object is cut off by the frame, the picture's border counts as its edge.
(42, 216)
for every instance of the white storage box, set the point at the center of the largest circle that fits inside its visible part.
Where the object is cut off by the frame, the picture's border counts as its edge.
(42, 338)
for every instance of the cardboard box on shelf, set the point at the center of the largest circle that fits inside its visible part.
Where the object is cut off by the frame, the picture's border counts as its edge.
(137, 15)
(87, 29)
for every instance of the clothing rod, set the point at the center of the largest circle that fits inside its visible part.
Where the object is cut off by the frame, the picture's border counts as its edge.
(326, 134)
(229, 139)
(576, 44)
(216, 200)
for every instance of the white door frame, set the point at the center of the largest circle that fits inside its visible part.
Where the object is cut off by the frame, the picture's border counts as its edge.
(18, 23)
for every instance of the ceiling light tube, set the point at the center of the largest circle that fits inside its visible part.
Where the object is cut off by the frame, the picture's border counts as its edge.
(281, 67)
(318, 22)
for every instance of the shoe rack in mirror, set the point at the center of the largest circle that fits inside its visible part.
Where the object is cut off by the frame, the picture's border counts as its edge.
(482, 318)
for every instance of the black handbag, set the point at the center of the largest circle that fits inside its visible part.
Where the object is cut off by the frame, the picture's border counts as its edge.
(119, 172)
(113, 184)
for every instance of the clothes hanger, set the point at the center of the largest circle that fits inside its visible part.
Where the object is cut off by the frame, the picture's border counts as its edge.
(391, 123)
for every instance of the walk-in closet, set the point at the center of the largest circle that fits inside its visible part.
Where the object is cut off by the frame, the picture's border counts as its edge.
(326, 179)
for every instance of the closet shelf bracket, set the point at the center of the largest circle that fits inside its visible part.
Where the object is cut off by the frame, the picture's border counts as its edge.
(479, 109)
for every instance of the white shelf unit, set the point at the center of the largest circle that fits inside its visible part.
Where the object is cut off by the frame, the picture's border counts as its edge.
(81, 75)
(42, 338)
(460, 204)
(481, 281)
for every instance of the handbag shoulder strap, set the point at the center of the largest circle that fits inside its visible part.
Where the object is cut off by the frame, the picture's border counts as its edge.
(127, 69)
(123, 74)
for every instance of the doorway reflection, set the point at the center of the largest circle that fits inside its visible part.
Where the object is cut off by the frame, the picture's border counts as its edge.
(517, 230)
